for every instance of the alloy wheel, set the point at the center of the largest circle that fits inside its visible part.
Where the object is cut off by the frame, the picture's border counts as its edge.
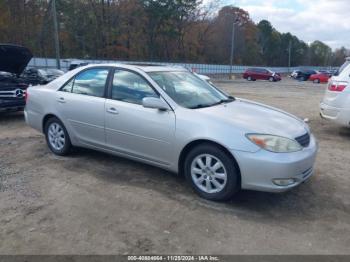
(56, 136)
(208, 173)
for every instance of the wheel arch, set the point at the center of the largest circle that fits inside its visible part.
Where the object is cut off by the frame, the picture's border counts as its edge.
(46, 118)
(193, 144)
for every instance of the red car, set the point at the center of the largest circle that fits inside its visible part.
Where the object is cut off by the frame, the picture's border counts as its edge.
(319, 78)
(252, 74)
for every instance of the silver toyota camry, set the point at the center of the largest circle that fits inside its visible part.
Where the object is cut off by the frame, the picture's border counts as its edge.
(170, 118)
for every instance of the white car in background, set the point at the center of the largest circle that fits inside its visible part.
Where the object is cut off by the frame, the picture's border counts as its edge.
(336, 102)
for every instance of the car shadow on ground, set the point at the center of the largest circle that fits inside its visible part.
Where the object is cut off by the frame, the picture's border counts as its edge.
(8, 117)
(302, 202)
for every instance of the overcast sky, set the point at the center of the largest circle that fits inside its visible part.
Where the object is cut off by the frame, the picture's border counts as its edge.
(325, 20)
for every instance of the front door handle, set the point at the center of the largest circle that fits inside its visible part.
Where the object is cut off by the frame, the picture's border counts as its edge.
(112, 110)
(61, 100)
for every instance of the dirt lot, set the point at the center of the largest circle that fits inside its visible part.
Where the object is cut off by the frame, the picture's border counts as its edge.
(93, 203)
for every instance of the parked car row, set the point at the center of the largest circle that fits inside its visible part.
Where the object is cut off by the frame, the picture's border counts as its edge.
(321, 76)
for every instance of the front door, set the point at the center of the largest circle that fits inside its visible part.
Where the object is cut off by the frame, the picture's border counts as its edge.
(140, 132)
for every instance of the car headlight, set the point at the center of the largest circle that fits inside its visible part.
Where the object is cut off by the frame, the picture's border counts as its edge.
(275, 144)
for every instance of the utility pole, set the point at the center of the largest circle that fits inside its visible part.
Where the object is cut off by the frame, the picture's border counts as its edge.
(289, 55)
(232, 48)
(55, 26)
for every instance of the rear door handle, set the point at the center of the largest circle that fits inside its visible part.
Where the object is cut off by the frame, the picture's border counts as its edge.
(112, 110)
(61, 100)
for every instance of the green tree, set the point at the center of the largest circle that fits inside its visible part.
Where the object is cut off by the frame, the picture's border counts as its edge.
(320, 53)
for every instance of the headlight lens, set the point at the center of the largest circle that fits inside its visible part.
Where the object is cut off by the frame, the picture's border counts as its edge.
(275, 143)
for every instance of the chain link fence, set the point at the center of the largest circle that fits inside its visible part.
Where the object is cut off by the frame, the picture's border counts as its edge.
(212, 70)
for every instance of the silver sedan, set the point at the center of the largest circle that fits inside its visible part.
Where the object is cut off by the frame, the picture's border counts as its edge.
(170, 118)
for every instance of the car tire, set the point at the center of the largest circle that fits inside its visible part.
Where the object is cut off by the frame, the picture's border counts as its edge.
(249, 78)
(57, 137)
(217, 180)
(271, 79)
(316, 81)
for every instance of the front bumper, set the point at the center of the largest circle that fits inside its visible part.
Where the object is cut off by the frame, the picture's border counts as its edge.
(338, 115)
(11, 105)
(259, 170)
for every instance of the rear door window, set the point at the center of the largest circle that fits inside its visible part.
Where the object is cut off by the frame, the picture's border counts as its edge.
(91, 82)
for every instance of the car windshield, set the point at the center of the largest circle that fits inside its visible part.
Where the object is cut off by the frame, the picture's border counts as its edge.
(187, 90)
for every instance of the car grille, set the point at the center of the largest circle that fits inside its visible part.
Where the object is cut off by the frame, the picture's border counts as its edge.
(12, 93)
(303, 140)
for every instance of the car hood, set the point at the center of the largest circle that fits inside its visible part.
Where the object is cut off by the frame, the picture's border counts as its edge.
(14, 59)
(252, 117)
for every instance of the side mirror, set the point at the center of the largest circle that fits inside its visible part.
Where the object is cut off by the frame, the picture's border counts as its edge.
(156, 103)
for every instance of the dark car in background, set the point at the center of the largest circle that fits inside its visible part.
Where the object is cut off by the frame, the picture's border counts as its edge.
(34, 76)
(304, 74)
(14, 60)
(252, 74)
(53, 73)
(76, 63)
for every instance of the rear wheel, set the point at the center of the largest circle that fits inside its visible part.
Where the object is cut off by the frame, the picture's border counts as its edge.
(212, 172)
(249, 78)
(316, 81)
(57, 137)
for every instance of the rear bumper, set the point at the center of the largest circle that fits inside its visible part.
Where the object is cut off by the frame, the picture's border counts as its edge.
(338, 115)
(261, 170)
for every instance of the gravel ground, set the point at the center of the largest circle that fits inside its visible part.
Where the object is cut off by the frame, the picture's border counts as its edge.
(94, 203)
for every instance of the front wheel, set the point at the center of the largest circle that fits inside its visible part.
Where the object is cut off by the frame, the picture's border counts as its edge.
(57, 137)
(249, 78)
(271, 79)
(316, 81)
(212, 172)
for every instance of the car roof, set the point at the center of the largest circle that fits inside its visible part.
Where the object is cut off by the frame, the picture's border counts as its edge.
(145, 68)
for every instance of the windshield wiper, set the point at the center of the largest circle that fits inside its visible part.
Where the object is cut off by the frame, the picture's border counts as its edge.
(199, 106)
(227, 100)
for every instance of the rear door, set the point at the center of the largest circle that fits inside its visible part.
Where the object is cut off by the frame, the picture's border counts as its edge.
(259, 74)
(81, 103)
(265, 74)
(255, 73)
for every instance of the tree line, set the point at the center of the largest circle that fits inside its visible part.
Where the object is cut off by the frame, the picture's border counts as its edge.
(156, 30)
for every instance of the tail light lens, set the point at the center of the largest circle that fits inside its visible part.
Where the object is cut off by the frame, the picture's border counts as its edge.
(337, 86)
(26, 96)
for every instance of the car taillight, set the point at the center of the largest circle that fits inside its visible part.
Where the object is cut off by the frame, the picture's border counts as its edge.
(26, 96)
(337, 86)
